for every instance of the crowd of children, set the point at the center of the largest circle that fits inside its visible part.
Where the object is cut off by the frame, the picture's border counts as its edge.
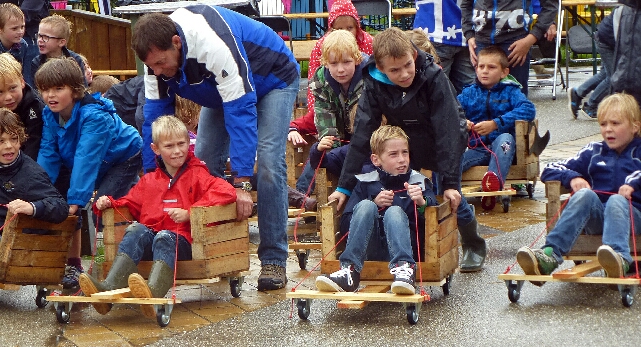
(382, 110)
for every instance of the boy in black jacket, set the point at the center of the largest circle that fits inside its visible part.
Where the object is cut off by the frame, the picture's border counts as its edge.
(413, 93)
(380, 215)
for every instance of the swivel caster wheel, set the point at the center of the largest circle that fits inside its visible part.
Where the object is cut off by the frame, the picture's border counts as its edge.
(488, 202)
(530, 190)
(235, 286)
(302, 258)
(447, 285)
(62, 314)
(162, 318)
(505, 201)
(304, 308)
(41, 298)
(627, 298)
(514, 290)
(412, 314)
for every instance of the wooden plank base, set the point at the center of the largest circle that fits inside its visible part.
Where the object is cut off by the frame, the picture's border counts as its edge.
(357, 296)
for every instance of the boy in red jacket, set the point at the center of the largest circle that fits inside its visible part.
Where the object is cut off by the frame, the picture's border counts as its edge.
(160, 202)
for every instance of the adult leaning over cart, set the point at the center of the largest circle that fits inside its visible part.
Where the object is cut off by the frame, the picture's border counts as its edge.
(246, 79)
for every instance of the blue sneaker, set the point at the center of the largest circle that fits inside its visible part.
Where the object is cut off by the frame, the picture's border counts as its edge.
(70, 279)
(574, 102)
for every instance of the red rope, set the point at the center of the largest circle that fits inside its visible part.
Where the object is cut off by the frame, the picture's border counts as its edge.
(476, 135)
(309, 189)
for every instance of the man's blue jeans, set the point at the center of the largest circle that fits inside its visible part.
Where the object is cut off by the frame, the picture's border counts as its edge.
(520, 72)
(141, 243)
(120, 178)
(456, 64)
(367, 241)
(585, 212)
(503, 147)
(305, 179)
(212, 145)
(599, 84)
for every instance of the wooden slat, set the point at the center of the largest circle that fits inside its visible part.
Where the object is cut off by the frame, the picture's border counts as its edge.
(305, 245)
(225, 248)
(359, 304)
(447, 243)
(47, 259)
(113, 294)
(6, 243)
(33, 275)
(207, 215)
(578, 271)
(221, 232)
(41, 242)
(387, 297)
(328, 231)
(227, 265)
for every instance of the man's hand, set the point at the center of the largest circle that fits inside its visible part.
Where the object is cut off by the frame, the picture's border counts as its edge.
(485, 127)
(340, 197)
(73, 209)
(453, 196)
(296, 138)
(325, 143)
(578, 183)
(20, 206)
(178, 215)
(471, 45)
(626, 191)
(244, 204)
(384, 198)
(415, 193)
(103, 202)
(519, 50)
(551, 33)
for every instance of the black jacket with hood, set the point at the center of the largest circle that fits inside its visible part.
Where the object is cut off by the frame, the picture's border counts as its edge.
(427, 111)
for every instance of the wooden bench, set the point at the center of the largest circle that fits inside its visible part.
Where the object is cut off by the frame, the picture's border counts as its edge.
(27, 259)
(525, 171)
(120, 74)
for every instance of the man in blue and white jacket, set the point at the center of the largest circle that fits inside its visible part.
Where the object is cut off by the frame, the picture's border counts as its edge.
(246, 79)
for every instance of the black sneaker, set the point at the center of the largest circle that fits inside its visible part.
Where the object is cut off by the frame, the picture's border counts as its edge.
(588, 111)
(70, 279)
(272, 277)
(404, 278)
(344, 280)
(574, 102)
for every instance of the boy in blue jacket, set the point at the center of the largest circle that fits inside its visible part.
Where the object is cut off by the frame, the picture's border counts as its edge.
(604, 177)
(86, 136)
(492, 106)
(380, 218)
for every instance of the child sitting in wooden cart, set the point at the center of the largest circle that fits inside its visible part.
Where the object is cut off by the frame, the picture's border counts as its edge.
(604, 177)
(381, 216)
(26, 188)
(160, 202)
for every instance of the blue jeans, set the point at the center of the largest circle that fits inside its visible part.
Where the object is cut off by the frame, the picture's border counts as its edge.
(212, 145)
(504, 148)
(141, 243)
(367, 241)
(520, 72)
(456, 64)
(305, 179)
(599, 84)
(120, 178)
(585, 212)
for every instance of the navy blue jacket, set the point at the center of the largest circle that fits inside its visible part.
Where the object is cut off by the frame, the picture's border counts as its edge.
(604, 169)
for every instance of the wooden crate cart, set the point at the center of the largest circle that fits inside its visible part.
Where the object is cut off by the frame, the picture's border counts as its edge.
(220, 248)
(438, 265)
(525, 171)
(583, 254)
(27, 259)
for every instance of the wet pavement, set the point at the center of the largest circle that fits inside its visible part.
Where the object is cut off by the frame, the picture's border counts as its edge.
(477, 311)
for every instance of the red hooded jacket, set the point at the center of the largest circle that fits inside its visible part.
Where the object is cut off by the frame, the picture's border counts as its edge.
(156, 192)
(305, 124)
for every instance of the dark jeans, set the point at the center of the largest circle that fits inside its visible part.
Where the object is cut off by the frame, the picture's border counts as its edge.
(142, 243)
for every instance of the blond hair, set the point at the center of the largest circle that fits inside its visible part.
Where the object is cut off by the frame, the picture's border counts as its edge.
(627, 106)
(10, 68)
(188, 112)
(59, 24)
(391, 43)
(343, 44)
(422, 41)
(384, 133)
(166, 126)
(8, 11)
(102, 83)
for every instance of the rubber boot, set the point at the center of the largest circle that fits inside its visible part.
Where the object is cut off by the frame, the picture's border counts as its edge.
(297, 198)
(474, 247)
(160, 280)
(117, 277)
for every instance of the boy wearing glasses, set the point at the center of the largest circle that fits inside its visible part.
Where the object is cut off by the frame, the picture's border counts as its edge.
(51, 39)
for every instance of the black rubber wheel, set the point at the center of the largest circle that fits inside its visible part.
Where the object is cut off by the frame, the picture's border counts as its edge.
(513, 292)
(506, 204)
(488, 202)
(447, 286)
(627, 299)
(62, 315)
(162, 318)
(235, 288)
(41, 298)
(530, 190)
(412, 314)
(302, 260)
(303, 308)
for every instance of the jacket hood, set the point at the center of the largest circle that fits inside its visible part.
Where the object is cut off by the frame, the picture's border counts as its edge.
(191, 161)
(508, 80)
(345, 8)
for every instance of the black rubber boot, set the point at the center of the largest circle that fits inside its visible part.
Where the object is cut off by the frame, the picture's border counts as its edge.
(117, 278)
(160, 280)
(296, 199)
(474, 247)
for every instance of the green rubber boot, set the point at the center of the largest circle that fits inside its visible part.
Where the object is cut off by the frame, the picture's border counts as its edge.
(160, 280)
(117, 277)
(474, 247)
